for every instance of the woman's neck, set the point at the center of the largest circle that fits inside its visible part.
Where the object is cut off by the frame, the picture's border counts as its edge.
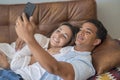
(53, 50)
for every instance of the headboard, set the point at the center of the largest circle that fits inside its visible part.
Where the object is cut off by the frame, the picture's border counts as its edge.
(47, 16)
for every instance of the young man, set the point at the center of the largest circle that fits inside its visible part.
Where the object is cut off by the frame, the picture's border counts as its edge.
(75, 62)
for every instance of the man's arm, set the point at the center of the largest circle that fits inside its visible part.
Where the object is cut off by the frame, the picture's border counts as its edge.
(24, 29)
(62, 69)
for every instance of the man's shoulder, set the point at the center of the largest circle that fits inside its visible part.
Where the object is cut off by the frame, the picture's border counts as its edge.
(66, 49)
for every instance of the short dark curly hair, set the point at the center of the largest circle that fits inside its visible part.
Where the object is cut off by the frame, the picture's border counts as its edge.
(101, 30)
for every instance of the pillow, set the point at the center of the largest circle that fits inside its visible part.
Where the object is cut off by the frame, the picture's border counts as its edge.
(113, 74)
(106, 56)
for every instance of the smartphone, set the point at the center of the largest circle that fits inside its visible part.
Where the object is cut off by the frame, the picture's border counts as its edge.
(29, 9)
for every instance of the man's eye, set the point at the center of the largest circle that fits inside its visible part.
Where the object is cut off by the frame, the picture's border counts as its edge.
(80, 29)
(88, 32)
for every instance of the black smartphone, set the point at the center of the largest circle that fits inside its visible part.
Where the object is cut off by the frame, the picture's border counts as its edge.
(29, 9)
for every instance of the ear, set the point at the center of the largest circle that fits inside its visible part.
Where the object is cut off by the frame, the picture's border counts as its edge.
(97, 42)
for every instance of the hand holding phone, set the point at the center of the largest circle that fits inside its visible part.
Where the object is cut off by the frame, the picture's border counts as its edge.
(29, 9)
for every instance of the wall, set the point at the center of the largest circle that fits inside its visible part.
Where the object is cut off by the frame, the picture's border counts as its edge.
(108, 12)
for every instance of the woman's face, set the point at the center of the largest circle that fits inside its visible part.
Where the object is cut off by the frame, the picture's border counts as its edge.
(61, 36)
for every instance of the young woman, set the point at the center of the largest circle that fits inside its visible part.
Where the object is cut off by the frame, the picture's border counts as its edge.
(24, 63)
(61, 37)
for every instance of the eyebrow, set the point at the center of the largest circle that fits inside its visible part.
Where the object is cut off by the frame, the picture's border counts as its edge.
(90, 30)
(64, 33)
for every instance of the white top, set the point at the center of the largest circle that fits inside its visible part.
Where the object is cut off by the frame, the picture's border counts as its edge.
(22, 58)
(9, 49)
(31, 72)
(19, 61)
(34, 71)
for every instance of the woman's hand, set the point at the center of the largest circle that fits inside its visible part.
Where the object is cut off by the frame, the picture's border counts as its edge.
(4, 61)
(32, 60)
(25, 28)
(19, 44)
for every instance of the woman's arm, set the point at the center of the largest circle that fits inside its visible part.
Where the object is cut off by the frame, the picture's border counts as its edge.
(4, 61)
(19, 44)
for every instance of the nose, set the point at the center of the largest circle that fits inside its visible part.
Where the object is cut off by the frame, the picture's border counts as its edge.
(58, 35)
(82, 32)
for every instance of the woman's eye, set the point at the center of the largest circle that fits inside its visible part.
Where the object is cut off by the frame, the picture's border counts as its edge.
(65, 36)
(58, 30)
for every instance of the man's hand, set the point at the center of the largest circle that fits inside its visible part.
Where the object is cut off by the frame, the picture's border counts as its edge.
(19, 44)
(25, 28)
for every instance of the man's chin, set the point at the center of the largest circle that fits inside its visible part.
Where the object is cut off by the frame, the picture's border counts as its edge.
(77, 42)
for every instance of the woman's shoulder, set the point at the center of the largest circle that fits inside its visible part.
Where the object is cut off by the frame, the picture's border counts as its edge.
(41, 39)
(39, 36)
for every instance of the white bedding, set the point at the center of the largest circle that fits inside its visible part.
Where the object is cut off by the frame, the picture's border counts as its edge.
(8, 50)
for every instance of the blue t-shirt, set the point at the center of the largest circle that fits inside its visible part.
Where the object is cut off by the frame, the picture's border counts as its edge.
(81, 62)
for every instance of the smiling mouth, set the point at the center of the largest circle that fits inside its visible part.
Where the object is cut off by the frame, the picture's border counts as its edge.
(80, 38)
(55, 40)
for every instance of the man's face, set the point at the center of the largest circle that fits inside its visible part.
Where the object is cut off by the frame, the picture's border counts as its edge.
(87, 35)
